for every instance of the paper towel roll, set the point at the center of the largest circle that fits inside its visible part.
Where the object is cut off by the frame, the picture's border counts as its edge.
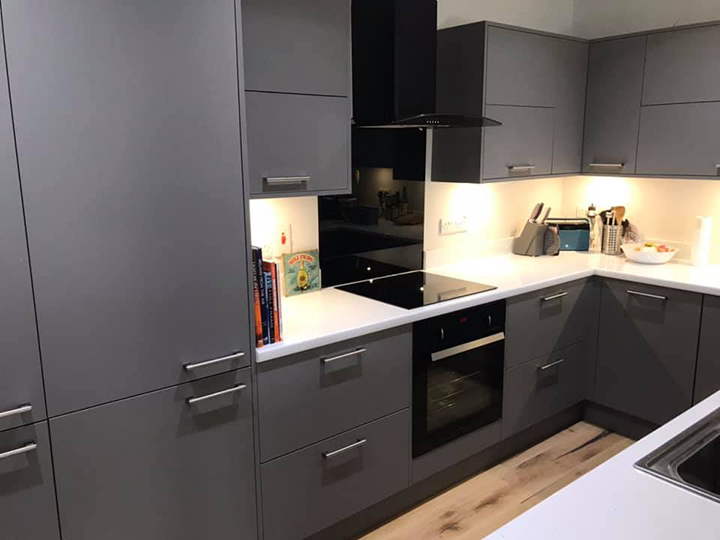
(702, 237)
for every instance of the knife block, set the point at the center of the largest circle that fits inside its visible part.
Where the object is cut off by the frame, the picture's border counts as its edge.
(531, 241)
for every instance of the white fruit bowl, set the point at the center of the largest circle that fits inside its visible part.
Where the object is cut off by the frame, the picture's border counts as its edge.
(650, 256)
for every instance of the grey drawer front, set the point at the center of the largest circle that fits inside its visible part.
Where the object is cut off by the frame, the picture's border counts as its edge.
(155, 467)
(305, 138)
(308, 397)
(532, 394)
(707, 380)
(297, 46)
(27, 491)
(682, 66)
(306, 492)
(525, 138)
(679, 140)
(550, 319)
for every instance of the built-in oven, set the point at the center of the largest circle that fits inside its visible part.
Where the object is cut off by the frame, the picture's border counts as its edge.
(458, 364)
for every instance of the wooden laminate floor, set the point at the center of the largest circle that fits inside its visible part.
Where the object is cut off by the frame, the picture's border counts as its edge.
(486, 502)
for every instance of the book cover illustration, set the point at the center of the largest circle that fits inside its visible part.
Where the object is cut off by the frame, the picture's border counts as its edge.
(302, 272)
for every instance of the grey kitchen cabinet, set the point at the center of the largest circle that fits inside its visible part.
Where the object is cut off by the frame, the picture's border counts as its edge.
(159, 465)
(317, 394)
(550, 319)
(682, 66)
(300, 47)
(522, 146)
(543, 387)
(313, 488)
(298, 144)
(21, 388)
(679, 140)
(28, 510)
(707, 378)
(133, 191)
(647, 350)
(615, 79)
(569, 103)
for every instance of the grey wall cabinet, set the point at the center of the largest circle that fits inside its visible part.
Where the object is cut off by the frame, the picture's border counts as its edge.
(615, 79)
(133, 190)
(300, 47)
(647, 350)
(707, 380)
(682, 66)
(679, 140)
(20, 376)
(28, 510)
(298, 144)
(157, 466)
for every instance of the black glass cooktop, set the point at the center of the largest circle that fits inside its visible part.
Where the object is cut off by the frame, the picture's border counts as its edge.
(415, 289)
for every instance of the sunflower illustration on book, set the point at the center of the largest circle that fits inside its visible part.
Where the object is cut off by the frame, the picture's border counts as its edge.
(302, 272)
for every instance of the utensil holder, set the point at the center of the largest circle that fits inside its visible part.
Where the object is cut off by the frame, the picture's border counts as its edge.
(612, 239)
(532, 240)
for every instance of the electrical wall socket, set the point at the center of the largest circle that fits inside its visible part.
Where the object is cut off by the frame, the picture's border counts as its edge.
(453, 226)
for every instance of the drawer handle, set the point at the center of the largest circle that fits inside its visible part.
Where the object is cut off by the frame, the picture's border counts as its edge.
(647, 295)
(192, 401)
(30, 447)
(608, 165)
(555, 296)
(20, 410)
(552, 364)
(286, 180)
(465, 347)
(358, 444)
(229, 358)
(517, 168)
(341, 356)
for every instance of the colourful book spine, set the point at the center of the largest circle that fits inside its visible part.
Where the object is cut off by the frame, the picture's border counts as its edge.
(256, 301)
(263, 297)
(276, 302)
(270, 301)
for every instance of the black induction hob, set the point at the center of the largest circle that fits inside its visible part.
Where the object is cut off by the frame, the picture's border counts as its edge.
(415, 289)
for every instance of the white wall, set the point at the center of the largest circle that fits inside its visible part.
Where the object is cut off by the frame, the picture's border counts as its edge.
(548, 15)
(269, 217)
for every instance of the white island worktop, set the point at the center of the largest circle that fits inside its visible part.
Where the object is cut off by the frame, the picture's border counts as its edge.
(330, 316)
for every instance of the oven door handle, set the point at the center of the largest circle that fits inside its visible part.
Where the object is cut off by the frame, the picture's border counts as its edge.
(465, 347)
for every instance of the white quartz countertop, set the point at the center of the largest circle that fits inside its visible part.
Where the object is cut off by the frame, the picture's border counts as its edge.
(617, 501)
(330, 315)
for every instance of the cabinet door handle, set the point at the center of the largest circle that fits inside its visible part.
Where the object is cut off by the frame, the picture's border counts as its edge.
(551, 364)
(647, 295)
(193, 400)
(341, 356)
(608, 165)
(517, 168)
(20, 410)
(30, 447)
(286, 180)
(328, 455)
(229, 358)
(555, 296)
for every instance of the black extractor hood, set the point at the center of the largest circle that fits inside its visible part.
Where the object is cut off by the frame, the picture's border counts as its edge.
(394, 67)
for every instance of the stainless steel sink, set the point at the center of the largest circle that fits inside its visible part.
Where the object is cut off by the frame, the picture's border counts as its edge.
(691, 460)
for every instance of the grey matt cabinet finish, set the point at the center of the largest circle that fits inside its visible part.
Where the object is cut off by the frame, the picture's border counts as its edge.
(570, 89)
(297, 46)
(302, 137)
(615, 79)
(647, 350)
(28, 510)
(682, 66)
(707, 378)
(154, 466)
(520, 68)
(306, 492)
(525, 138)
(20, 373)
(133, 193)
(317, 394)
(679, 140)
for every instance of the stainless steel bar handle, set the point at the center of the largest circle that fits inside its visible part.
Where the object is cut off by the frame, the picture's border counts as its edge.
(20, 410)
(647, 295)
(514, 168)
(341, 356)
(30, 447)
(328, 455)
(286, 180)
(552, 364)
(192, 401)
(555, 296)
(465, 347)
(608, 165)
(229, 358)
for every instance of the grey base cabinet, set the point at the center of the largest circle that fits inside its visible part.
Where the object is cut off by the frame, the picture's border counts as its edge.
(160, 465)
(647, 350)
(707, 380)
(28, 510)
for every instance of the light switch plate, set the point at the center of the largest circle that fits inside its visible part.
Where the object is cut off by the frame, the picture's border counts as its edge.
(453, 226)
